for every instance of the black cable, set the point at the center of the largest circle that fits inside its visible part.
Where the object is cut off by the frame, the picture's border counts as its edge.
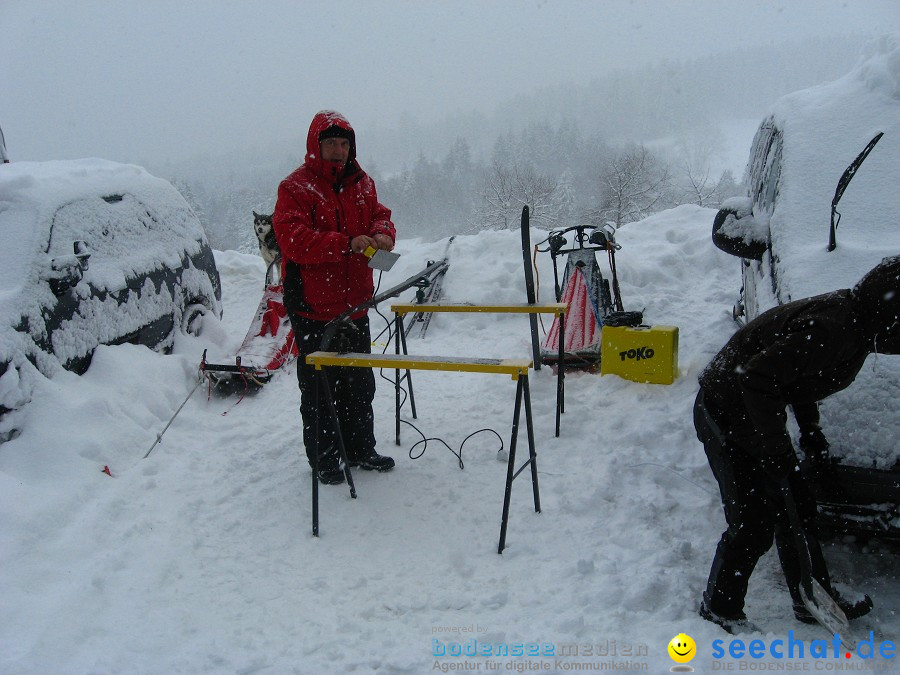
(386, 328)
(378, 285)
(390, 328)
(387, 342)
(457, 454)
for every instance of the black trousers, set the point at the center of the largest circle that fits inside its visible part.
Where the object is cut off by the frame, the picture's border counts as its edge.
(755, 513)
(352, 389)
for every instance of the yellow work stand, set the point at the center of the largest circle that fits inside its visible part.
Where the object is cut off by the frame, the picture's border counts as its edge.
(515, 368)
(557, 308)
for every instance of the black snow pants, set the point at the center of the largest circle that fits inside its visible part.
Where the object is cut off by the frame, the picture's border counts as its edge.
(352, 389)
(755, 513)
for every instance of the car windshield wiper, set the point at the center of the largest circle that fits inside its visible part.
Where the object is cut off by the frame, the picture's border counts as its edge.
(847, 176)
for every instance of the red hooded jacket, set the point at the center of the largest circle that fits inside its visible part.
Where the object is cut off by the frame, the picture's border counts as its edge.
(320, 208)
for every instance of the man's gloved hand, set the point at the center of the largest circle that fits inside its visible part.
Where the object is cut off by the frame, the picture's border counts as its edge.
(814, 444)
(822, 465)
(361, 242)
(384, 242)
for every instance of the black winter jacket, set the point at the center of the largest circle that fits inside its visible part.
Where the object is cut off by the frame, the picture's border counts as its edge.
(797, 354)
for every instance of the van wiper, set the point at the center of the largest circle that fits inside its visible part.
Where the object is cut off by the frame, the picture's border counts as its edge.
(842, 185)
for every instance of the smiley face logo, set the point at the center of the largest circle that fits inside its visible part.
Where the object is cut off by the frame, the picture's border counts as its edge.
(682, 648)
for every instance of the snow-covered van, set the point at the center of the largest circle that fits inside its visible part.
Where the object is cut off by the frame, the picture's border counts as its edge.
(94, 253)
(4, 156)
(822, 209)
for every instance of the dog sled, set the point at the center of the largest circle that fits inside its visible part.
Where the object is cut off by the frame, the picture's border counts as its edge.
(268, 346)
(592, 302)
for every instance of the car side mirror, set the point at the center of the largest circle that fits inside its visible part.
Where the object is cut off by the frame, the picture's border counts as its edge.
(737, 232)
(67, 270)
(82, 253)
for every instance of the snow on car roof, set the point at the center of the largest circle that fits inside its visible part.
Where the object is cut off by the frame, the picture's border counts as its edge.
(32, 194)
(825, 128)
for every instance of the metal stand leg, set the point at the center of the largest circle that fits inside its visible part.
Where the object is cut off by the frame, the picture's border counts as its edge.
(532, 453)
(400, 341)
(561, 373)
(342, 450)
(522, 391)
(398, 326)
(412, 398)
(315, 473)
(535, 342)
(323, 378)
(510, 464)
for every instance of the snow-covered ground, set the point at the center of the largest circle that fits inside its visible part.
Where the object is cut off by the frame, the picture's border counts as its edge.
(200, 557)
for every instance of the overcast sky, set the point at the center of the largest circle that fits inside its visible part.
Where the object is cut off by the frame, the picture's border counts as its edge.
(156, 80)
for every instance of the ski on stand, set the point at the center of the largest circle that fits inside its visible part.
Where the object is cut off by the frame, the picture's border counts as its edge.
(342, 322)
(417, 324)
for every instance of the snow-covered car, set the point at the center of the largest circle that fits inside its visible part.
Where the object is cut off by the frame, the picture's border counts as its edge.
(822, 156)
(94, 253)
(4, 156)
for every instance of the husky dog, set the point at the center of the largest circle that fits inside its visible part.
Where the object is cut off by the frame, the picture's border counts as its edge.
(268, 247)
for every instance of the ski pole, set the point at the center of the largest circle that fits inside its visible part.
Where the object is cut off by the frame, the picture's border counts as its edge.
(160, 434)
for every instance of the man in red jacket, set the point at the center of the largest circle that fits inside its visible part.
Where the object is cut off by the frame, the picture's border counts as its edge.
(326, 215)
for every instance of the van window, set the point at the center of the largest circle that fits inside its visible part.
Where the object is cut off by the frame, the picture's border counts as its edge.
(122, 234)
(764, 167)
(4, 158)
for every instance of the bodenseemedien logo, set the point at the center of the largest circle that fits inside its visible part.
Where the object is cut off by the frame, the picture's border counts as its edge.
(682, 649)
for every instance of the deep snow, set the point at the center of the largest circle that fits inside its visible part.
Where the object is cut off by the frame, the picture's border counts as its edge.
(200, 557)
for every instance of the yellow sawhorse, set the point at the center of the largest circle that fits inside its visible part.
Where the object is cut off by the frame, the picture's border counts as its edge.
(516, 368)
(557, 308)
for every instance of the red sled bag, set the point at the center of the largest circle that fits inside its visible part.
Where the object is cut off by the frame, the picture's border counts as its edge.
(268, 346)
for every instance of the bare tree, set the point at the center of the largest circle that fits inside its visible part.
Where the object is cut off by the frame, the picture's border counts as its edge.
(633, 186)
(697, 188)
(695, 157)
(508, 190)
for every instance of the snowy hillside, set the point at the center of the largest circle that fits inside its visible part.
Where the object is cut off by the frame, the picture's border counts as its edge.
(199, 558)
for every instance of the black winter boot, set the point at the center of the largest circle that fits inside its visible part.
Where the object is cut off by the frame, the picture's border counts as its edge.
(735, 624)
(372, 461)
(330, 471)
(331, 476)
